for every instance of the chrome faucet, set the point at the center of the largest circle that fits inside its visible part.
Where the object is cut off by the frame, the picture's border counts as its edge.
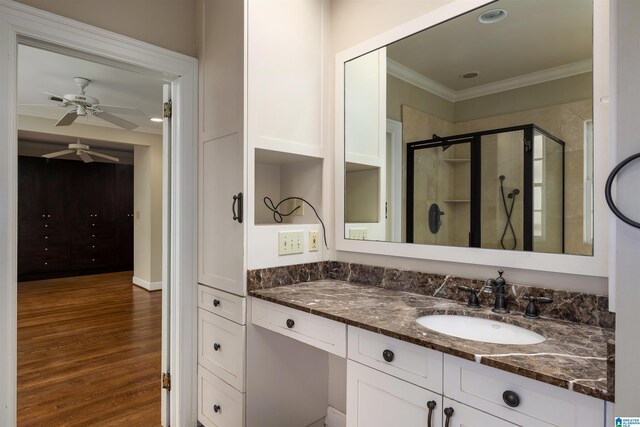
(497, 286)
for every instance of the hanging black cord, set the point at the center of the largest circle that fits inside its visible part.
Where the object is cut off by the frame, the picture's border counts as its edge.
(279, 216)
(508, 212)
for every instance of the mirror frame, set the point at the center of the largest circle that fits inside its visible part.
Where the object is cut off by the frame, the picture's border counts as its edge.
(595, 265)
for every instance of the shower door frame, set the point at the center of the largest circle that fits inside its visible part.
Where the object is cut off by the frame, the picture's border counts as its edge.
(475, 196)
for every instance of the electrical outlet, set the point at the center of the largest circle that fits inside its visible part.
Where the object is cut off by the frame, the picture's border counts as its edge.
(358, 233)
(290, 242)
(296, 203)
(313, 241)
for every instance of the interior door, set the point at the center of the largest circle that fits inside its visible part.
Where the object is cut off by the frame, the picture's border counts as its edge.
(166, 258)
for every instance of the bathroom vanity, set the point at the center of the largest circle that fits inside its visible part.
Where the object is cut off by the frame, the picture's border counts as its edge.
(401, 373)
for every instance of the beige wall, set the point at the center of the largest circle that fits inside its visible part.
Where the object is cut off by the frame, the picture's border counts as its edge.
(166, 23)
(401, 93)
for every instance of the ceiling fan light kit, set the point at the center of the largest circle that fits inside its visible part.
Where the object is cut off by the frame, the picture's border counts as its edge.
(81, 150)
(84, 104)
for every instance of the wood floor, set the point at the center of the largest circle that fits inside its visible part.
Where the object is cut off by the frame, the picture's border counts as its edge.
(88, 352)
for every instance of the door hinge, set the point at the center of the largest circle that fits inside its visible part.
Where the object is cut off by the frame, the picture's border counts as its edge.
(166, 381)
(166, 109)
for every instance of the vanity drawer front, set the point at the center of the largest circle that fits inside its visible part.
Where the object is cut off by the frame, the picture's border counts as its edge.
(540, 404)
(314, 330)
(418, 365)
(221, 345)
(224, 304)
(213, 393)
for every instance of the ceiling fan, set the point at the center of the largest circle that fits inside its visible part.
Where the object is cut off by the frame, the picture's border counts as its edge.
(83, 104)
(82, 150)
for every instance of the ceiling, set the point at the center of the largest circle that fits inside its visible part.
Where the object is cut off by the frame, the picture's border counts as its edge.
(536, 35)
(44, 71)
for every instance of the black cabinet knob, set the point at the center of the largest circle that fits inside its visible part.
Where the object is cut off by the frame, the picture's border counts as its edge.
(511, 398)
(216, 302)
(216, 346)
(290, 323)
(216, 408)
(388, 355)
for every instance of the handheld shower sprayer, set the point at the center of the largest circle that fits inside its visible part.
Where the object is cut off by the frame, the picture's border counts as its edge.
(508, 211)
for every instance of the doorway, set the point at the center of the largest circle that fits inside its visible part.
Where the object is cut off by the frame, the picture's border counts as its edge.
(21, 25)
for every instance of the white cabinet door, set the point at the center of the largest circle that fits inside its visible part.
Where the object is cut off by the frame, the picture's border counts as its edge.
(465, 416)
(375, 399)
(221, 238)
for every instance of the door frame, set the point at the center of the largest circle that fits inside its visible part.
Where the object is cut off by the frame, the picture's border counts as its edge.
(19, 22)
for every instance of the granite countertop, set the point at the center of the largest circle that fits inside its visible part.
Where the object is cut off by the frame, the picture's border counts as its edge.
(574, 356)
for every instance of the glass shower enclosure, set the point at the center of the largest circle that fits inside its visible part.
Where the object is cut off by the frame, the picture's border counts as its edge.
(497, 189)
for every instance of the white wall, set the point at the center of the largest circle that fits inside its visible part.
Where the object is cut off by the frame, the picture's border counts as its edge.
(625, 110)
(165, 23)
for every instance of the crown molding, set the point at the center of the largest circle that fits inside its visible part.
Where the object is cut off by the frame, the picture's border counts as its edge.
(417, 79)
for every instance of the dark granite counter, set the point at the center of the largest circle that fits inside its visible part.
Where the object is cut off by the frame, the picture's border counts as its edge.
(574, 356)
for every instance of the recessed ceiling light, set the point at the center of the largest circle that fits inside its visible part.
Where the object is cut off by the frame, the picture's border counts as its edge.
(492, 16)
(469, 75)
(156, 119)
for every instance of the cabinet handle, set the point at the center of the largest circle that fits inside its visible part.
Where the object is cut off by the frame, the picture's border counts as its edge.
(216, 346)
(216, 302)
(431, 405)
(237, 199)
(388, 355)
(290, 323)
(216, 408)
(511, 398)
(448, 412)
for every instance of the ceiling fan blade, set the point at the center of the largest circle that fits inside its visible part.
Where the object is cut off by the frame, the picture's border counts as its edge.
(120, 110)
(54, 97)
(104, 156)
(57, 154)
(68, 118)
(126, 124)
(84, 156)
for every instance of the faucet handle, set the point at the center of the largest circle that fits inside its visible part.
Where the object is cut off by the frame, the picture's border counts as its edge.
(473, 296)
(531, 311)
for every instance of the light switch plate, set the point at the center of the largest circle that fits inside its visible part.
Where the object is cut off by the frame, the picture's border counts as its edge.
(313, 241)
(290, 242)
(358, 233)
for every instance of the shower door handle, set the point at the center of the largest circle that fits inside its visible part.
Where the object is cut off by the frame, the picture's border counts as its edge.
(607, 191)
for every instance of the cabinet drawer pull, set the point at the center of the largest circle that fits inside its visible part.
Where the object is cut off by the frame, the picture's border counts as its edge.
(388, 355)
(216, 346)
(290, 323)
(237, 199)
(216, 302)
(511, 398)
(431, 405)
(216, 408)
(448, 412)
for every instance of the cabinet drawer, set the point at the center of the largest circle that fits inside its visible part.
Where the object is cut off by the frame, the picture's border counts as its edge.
(540, 404)
(418, 365)
(221, 345)
(375, 399)
(213, 393)
(224, 304)
(317, 331)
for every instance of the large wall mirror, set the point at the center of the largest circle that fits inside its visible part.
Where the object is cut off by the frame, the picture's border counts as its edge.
(476, 132)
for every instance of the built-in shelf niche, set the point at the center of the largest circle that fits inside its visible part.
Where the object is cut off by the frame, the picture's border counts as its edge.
(279, 175)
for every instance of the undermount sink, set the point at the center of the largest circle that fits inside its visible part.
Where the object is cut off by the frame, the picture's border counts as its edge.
(478, 329)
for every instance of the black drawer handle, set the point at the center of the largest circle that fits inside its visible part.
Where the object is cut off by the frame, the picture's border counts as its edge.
(431, 405)
(237, 199)
(511, 398)
(388, 355)
(290, 323)
(217, 408)
(448, 412)
(607, 192)
(216, 346)
(216, 302)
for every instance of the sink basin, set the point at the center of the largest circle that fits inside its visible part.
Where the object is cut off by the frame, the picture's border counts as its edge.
(477, 329)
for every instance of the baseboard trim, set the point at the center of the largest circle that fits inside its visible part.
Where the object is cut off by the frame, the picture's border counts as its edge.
(335, 418)
(149, 286)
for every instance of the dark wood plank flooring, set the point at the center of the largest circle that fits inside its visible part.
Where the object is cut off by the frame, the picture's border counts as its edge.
(88, 352)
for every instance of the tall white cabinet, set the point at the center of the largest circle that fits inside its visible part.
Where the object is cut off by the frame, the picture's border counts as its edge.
(261, 90)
